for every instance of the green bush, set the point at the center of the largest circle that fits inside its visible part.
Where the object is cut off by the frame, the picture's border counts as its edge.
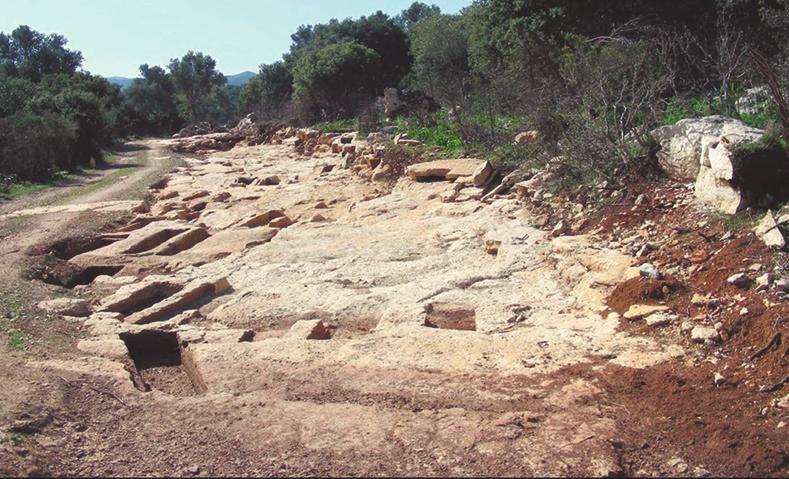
(33, 147)
(507, 157)
(761, 119)
(695, 107)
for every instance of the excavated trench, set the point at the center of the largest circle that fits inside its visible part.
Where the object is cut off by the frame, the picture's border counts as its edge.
(457, 317)
(161, 363)
(49, 262)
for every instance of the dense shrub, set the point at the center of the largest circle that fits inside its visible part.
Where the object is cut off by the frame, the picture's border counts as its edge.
(52, 117)
(33, 147)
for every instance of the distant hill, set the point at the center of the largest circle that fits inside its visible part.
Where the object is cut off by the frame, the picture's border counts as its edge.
(239, 80)
(120, 81)
(233, 80)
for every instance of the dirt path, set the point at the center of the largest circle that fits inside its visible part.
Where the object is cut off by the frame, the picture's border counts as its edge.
(75, 208)
(34, 216)
(274, 314)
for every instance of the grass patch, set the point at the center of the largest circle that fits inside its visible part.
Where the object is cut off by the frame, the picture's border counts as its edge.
(15, 438)
(17, 342)
(21, 189)
(441, 134)
(339, 126)
(13, 304)
(742, 220)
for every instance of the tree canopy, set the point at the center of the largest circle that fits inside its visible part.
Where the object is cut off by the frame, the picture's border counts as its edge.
(29, 54)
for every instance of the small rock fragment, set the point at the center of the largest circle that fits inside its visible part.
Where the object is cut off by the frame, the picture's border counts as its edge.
(638, 311)
(66, 307)
(649, 270)
(703, 334)
(739, 280)
(659, 319)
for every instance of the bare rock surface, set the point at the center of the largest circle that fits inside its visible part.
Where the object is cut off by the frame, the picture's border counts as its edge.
(395, 322)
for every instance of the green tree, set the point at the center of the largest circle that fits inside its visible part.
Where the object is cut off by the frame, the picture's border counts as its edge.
(414, 14)
(29, 54)
(377, 32)
(267, 92)
(332, 80)
(150, 105)
(79, 99)
(33, 146)
(440, 48)
(195, 77)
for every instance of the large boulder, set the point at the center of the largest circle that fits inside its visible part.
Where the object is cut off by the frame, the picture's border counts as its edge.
(480, 171)
(729, 178)
(682, 143)
(393, 104)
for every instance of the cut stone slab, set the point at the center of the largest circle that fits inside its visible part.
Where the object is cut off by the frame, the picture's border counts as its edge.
(638, 311)
(195, 195)
(143, 239)
(182, 242)
(281, 222)
(106, 348)
(313, 329)
(131, 296)
(67, 307)
(450, 170)
(194, 336)
(228, 242)
(190, 294)
(262, 219)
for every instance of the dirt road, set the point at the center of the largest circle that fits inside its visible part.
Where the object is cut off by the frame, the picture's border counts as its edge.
(77, 207)
(273, 314)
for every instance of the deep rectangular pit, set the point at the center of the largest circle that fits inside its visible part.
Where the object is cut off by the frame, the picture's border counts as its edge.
(451, 316)
(161, 363)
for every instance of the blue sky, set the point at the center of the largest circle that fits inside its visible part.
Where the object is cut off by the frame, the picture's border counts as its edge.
(116, 36)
